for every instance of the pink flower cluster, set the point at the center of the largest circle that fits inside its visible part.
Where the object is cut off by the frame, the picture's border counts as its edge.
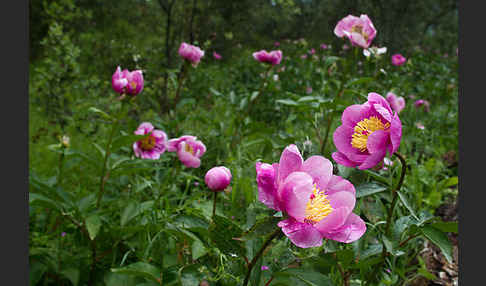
(188, 148)
(359, 30)
(126, 82)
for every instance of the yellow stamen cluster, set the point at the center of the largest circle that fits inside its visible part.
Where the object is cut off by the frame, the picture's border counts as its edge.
(147, 143)
(363, 129)
(359, 29)
(188, 148)
(318, 206)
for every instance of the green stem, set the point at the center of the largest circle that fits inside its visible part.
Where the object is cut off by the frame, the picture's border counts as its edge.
(214, 203)
(183, 73)
(329, 123)
(274, 234)
(103, 175)
(260, 90)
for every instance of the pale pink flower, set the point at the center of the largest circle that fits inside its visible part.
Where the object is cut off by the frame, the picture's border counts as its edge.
(396, 103)
(189, 150)
(152, 146)
(273, 57)
(191, 53)
(126, 82)
(360, 31)
(422, 102)
(323, 46)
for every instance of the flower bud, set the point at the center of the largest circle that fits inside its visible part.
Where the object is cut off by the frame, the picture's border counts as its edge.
(218, 178)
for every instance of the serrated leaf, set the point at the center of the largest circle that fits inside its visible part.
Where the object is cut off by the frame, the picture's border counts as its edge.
(368, 189)
(141, 269)
(440, 239)
(93, 224)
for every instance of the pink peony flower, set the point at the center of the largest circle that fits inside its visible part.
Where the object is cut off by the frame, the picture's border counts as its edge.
(126, 82)
(318, 204)
(398, 60)
(304, 56)
(312, 51)
(189, 150)
(345, 47)
(273, 57)
(323, 46)
(308, 90)
(217, 56)
(191, 53)
(218, 178)
(396, 103)
(276, 44)
(360, 31)
(367, 132)
(422, 102)
(153, 145)
(264, 267)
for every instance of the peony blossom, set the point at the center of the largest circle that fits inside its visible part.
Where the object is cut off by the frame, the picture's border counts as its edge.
(360, 31)
(191, 53)
(273, 57)
(276, 44)
(152, 146)
(126, 82)
(308, 90)
(398, 60)
(422, 102)
(317, 203)
(367, 132)
(396, 103)
(323, 46)
(217, 56)
(218, 178)
(312, 51)
(189, 150)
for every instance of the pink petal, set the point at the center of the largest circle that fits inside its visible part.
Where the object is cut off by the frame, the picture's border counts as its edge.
(395, 133)
(341, 159)
(352, 230)
(301, 234)
(372, 160)
(377, 141)
(295, 193)
(267, 188)
(339, 184)
(320, 170)
(290, 161)
(333, 221)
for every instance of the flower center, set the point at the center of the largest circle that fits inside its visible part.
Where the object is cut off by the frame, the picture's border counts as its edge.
(359, 29)
(318, 206)
(147, 143)
(363, 129)
(188, 148)
(133, 84)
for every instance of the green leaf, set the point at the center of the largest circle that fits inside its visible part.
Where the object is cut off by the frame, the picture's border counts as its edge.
(35, 198)
(100, 112)
(368, 189)
(405, 202)
(190, 275)
(289, 102)
(130, 211)
(358, 81)
(253, 95)
(198, 249)
(262, 227)
(72, 274)
(222, 233)
(125, 140)
(93, 224)
(446, 226)
(141, 269)
(440, 239)
(298, 277)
